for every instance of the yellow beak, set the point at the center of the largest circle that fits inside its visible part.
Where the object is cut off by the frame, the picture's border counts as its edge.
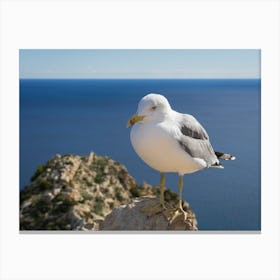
(134, 119)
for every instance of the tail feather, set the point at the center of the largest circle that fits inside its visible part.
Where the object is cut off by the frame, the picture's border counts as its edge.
(224, 156)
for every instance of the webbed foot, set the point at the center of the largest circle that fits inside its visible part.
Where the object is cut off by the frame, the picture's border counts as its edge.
(172, 215)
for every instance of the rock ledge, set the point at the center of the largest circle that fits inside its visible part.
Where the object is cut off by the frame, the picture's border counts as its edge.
(132, 216)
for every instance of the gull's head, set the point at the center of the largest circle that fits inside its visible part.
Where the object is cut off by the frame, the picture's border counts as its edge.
(151, 108)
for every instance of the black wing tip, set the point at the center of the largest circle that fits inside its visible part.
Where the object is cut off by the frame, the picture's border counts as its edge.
(217, 165)
(224, 156)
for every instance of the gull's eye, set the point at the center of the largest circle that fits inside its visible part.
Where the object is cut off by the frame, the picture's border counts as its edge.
(153, 108)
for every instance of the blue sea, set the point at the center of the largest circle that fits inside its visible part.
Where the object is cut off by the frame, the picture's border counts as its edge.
(79, 116)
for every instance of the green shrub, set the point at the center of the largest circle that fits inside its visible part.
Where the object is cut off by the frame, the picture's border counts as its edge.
(39, 171)
(99, 178)
(84, 158)
(102, 162)
(62, 208)
(170, 196)
(86, 181)
(98, 208)
(45, 185)
(53, 226)
(69, 162)
(85, 195)
(119, 196)
(105, 190)
(60, 197)
(42, 206)
(88, 215)
(24, 195)
(135, 191)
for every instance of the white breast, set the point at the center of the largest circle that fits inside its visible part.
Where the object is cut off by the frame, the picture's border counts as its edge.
(157, 146)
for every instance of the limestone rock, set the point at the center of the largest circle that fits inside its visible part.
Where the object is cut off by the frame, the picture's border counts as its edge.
(71, 192)
(134, 216)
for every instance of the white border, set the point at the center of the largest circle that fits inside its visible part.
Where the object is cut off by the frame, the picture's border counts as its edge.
(153, 24)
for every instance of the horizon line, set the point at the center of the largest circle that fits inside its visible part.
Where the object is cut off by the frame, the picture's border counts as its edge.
(257, 78)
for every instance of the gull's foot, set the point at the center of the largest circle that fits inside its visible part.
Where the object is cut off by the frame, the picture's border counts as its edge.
(175, 215)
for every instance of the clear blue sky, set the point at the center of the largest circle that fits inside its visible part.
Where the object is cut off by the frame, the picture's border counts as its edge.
(139, 64)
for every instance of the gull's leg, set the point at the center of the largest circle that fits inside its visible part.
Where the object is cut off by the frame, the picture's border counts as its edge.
(179, 213)
(180, 192)
(162, 187)
(159, 207)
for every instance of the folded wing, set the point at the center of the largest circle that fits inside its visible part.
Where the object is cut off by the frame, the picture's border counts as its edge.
(194, 140)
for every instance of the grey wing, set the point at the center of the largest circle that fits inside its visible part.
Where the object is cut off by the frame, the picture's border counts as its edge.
(195, 140)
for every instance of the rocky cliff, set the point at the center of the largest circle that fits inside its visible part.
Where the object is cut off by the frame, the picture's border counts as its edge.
(73, 192)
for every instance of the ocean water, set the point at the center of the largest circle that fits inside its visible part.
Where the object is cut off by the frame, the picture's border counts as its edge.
(79, 116)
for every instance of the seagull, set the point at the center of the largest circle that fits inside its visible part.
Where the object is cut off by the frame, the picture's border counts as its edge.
(169, 141)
